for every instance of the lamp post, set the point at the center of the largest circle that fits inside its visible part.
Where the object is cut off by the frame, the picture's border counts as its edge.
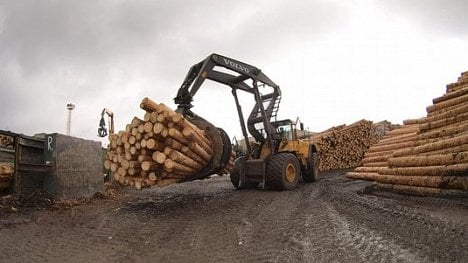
(70, 107)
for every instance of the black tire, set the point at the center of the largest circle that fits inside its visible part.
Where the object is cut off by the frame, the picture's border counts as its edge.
(235, 176)
(311, 171)
(283, 171)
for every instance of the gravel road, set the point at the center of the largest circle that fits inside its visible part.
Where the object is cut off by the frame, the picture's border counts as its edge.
(330, 220)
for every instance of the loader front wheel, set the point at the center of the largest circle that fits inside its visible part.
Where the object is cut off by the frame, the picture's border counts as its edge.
(235, 175)
(283, 171)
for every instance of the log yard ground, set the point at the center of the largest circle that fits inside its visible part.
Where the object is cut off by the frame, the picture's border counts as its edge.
(335, 219)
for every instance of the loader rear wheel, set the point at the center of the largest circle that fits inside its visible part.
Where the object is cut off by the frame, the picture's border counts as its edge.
(311, 171)
(283, 171)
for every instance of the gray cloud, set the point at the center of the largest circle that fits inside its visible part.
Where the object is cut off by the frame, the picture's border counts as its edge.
(53, 52)
(112, 53)
(443, 18)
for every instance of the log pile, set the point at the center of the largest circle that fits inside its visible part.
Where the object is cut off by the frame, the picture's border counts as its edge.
(344, 146)
(6, 175)
(160, 149)
(435, 158)
(376, 157)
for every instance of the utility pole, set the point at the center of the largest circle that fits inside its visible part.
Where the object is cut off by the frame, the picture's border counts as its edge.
(70, 107)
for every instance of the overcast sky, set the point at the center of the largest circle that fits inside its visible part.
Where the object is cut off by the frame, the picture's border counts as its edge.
(335, 61)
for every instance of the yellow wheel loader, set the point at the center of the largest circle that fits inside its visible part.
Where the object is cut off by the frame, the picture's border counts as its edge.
(277, 159)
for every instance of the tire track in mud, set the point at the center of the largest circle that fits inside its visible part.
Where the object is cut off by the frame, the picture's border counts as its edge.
(264, 231)
(418, 231)
(192, 225)
(371, 245)
(311, 240)
(209, 221)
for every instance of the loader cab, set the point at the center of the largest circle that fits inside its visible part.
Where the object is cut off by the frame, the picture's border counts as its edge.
(286, 129)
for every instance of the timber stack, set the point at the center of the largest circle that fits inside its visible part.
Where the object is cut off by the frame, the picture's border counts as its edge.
(160, 149)
(376, 157)
(435, 159)
(344, 146)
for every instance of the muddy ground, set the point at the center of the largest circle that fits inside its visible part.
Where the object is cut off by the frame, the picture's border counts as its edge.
(209, 221)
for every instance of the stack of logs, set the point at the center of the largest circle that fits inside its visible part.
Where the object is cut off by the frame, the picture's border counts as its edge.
(434, 160)
(161, 149)
(376, 157)
(344, 146)
(6, 175)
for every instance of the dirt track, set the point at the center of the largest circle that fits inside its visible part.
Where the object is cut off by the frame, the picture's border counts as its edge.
(209, 221)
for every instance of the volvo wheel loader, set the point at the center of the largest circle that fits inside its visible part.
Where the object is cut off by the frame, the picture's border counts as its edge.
(277, 159)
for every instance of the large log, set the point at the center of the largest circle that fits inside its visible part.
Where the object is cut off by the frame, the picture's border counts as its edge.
(187, 151)
(450, 102)
(148, 126)
(447, 182)
(442, 144)
(420, 141)
(148, 105)
(362, 175)
(448, 113)
(174, 166)
(154, 145)
(136, 122)
(369, 169)
(393, 146)
(147, 116)
(183, 159)
(132, 171)
(414, 121)
(378, 154)
(451, 95)
(188, 132)
(177, 135)
(459, 169)
(381, 158)
(423, 191)
(455, 149)
(457, 118)
(159, 157)
(142, 158)
(154, 117)
(404, 130)
(445, 131)
(199, 150)
(375, 164)
(397, 139)
(149, 166)
(158, 128)
(430, 160)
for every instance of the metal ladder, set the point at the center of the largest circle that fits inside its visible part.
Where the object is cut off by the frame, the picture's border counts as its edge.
(270, 102)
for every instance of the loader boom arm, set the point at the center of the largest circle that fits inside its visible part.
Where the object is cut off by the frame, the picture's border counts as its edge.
(266, 106)
(102, 130)
(205, 70)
